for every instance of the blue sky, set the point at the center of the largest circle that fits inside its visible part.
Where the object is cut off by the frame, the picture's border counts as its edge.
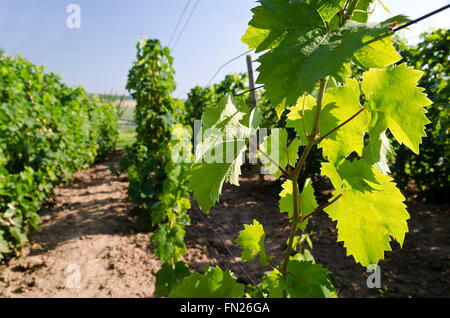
(99, 54)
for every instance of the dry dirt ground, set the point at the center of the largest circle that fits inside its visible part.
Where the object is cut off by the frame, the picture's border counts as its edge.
(88, 228)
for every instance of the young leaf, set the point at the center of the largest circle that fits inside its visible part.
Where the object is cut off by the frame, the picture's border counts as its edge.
(370, 211)
(395, 102)
(212, 284)
(310, 280)
(286, 198)
(251, 240)
(271, 284)
(308, 201)
(220, 151)
(378, 54)
(170, 242)
(3, 244)
(170, 276)
(20, 237)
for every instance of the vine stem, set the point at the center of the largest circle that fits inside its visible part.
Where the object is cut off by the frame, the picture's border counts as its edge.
(278, 269)
(229, 252)
(303, 116)
(315, 130)
(348, 15)
(313, 139)
(313, 136)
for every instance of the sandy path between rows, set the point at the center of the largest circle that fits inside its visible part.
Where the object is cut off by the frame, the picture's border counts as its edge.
(86, 241)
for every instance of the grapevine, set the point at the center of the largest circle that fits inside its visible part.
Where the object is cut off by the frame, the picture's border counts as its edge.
(309, 49)
(47, 131)
(158, 176)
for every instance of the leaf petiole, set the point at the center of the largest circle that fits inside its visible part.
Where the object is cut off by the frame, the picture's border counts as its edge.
(285, 173)
(319, 209)
(345, 122)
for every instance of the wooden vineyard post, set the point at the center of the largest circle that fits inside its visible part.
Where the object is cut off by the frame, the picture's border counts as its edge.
(251, 82)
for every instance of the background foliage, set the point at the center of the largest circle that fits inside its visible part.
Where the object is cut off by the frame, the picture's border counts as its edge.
(430, 169)
(150, 83)
(47, 131)
(158, 182)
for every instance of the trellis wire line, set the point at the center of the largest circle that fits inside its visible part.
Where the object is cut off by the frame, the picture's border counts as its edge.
(229, 252)
(185, 25)
(421, 18)
(179, 21)
(242, 93)
(225, 64)
(250, 90)
(394, 30)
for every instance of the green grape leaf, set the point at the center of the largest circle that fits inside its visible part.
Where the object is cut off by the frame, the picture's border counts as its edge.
(275, 146)
(274, 20)
(340, 76)
(308, 201)
(377, 54)
(298, 240)
(379, 150)
(170, 276)
(339, 105)
(306, 256)
(252, 291)
(281, 107)
(4, 248)
(307, 280)
(271, 284)
(291, 67)
(370, 211)
(18, 235)
(170, 242)
(219, 153)
(286, 198)
(327, 8)
(396, 102)
(251, 240)
(295, 242)
(307, 238)
(212, 284)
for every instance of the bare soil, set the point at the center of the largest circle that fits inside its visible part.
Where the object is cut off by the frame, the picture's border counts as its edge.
(89, 227)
